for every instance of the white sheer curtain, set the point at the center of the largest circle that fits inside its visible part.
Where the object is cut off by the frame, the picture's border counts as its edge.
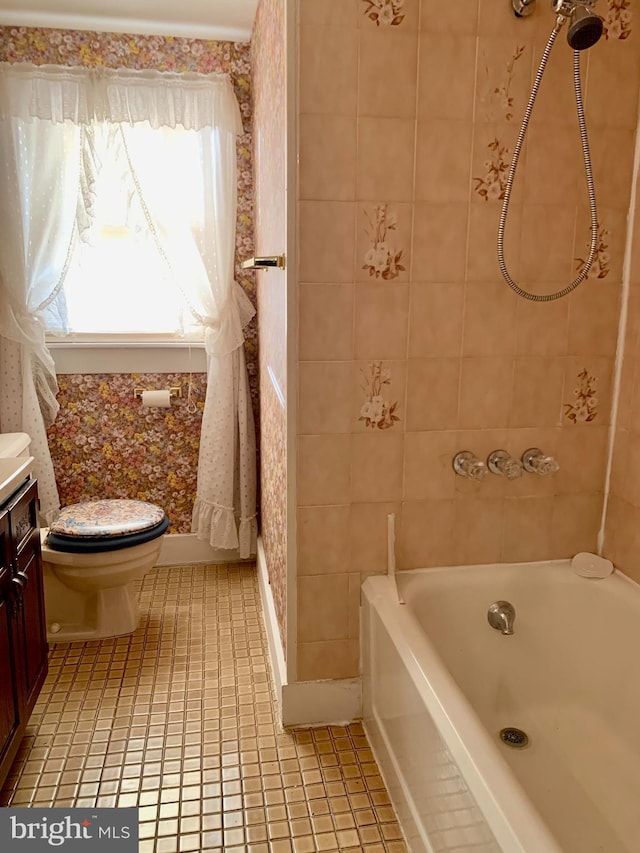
(38, 199)
(199, 250)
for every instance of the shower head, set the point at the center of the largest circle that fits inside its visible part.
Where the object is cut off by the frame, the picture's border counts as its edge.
(585, 27)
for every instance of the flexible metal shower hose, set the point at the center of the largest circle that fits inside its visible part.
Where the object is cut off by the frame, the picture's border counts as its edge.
(534, 297)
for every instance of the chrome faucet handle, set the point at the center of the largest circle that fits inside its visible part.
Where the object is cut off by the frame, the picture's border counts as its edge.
(467, 464)
(502, 463)
(536, 462)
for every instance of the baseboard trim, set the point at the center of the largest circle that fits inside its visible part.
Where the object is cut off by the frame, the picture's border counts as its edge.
(322, 703)
(185, 549)
(276, 650)
(304, 703)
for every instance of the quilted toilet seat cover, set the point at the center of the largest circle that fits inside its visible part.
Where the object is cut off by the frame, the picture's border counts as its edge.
(106, 518)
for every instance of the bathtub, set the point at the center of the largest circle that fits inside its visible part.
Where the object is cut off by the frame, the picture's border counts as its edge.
(439, 684)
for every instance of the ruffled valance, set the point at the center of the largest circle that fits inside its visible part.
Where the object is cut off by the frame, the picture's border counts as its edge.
(83, 95)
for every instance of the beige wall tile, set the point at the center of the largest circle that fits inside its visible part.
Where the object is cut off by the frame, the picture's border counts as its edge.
(557, 177)
(432, 393)
(325, 322)
(546, 254)
(324, 397)
(442, 161)
(582, 456)
(489, 320)
(323, 539)
(612, 158)
(593, 319)
(527, 529)
(482, 255)
(328, 82)
(437, 17)
(368, 536)
(381, 321)
(537, 392)
(323, 607)
(328, 659)
(425, 534)
(485, 392)
(327, 241)
(435, 320)
(334, 13)
(541, 327)
(385, 159)
(355, 584)
(574, 524)
(612, 85)
(622, 540)
(327, 157)
(447, 76)
(494, 20)
(477, 531)
(388, 72)
(324, 475)
(376, 467)
(439, 242)
(428, 471)
(555, 102)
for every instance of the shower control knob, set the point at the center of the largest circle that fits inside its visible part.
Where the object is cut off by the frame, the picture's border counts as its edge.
(502, 463)
(535, 461)
(466, 464)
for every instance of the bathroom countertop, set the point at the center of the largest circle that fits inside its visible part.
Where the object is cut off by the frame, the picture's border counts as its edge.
(12, 473)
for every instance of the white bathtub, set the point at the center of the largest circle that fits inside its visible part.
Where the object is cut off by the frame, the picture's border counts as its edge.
(440, 684)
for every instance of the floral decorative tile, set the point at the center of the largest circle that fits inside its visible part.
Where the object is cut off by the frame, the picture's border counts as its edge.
(377, 411)
(617, 21)
(585, 407)
(385, 12)
(600, 265)
(492, 184)
(383, 259)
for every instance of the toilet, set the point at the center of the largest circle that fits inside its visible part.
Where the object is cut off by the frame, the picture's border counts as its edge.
(91, 554)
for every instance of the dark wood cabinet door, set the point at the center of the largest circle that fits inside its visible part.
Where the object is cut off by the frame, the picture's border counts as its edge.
(9, 685)
(30, 613)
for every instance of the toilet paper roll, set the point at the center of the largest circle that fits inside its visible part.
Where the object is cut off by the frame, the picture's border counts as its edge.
(156, 399)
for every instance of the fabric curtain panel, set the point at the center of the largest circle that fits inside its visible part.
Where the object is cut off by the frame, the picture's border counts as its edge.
(38, 199)
(63, 103)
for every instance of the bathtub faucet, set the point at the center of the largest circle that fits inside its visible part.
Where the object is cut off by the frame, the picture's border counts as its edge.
(501, 616)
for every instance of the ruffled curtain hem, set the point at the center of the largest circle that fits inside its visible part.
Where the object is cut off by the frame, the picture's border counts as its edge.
(218, 525)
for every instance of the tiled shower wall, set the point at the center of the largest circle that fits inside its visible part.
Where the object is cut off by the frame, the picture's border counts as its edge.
(622, 540)
(411, 346)
(110, 442)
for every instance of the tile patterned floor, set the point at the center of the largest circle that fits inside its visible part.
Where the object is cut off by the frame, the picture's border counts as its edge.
(180, 720)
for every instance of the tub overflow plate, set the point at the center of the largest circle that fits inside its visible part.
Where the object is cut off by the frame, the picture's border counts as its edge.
(514, 737)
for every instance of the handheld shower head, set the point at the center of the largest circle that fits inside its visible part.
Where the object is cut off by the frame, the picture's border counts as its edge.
(585, 27)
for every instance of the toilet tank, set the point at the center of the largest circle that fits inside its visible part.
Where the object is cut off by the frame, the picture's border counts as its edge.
(14, 444)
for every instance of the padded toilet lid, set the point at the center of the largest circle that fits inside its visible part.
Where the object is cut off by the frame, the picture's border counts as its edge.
(107, 518)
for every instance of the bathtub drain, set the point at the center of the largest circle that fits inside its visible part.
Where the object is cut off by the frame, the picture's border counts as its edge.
(514, 737)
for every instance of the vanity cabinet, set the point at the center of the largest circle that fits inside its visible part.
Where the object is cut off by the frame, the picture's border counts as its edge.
(23, 633)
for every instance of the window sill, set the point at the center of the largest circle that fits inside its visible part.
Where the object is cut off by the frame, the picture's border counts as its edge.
(118, 357)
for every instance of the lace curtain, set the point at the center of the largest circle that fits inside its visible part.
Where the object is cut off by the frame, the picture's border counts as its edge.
(44, 108)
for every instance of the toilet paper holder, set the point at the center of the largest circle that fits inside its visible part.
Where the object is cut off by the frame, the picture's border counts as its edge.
(174, 391)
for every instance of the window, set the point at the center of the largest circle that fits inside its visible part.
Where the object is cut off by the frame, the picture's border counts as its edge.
(120, 279)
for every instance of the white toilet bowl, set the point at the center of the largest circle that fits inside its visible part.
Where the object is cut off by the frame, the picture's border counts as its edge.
(89, 586)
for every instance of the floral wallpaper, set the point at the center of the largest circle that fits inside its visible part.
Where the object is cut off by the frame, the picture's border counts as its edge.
(104, 442)
(268, 86)
(120, 50)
